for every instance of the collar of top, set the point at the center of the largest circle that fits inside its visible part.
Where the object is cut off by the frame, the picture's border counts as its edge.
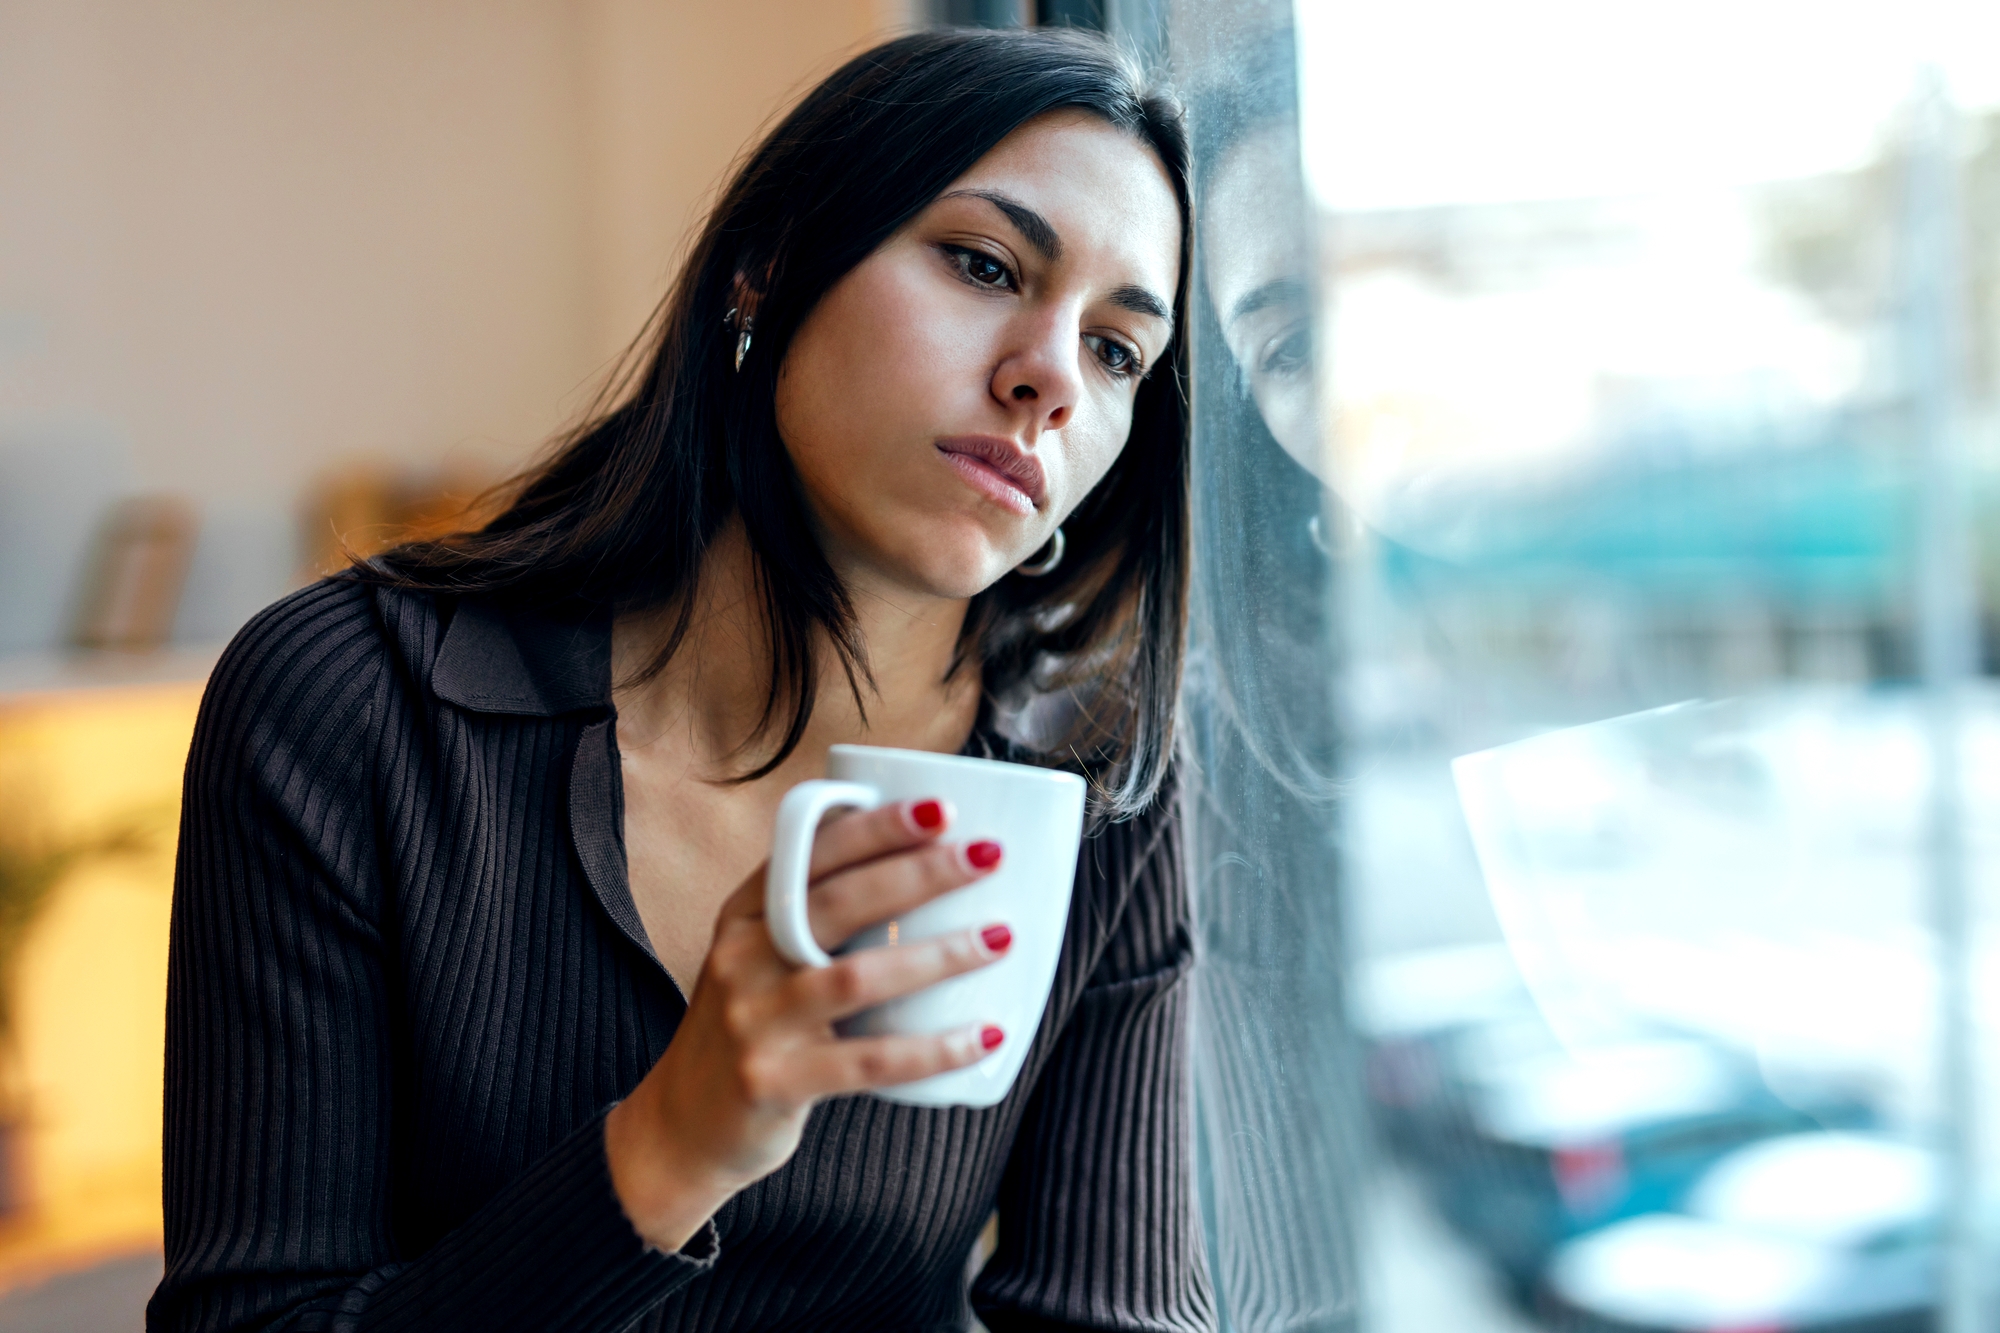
(498, 659)
(501, 659)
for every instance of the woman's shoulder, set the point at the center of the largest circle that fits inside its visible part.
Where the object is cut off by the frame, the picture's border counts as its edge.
(346, 642)
(312, 661)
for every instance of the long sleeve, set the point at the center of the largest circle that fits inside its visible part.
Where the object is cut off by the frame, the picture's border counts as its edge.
(284, 1047)
(1098, 1228)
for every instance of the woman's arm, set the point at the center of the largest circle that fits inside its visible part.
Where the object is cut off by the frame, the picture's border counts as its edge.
(280, 1023)
(1098, 1228)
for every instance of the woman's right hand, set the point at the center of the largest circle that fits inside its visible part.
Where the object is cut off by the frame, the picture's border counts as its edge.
(726, 1103)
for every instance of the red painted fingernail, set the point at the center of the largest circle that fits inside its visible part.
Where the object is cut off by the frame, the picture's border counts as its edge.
(983, 855)
(990, 1036)
(997, 937)
(927, 815)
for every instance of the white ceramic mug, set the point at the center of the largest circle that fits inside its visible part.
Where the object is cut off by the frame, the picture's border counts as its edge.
(1035, 814)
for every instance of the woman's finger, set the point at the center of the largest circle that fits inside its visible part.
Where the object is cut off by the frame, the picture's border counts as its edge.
(873, 833)
(856, 1064)
(861, 896)
(854, 840)
(868, 977)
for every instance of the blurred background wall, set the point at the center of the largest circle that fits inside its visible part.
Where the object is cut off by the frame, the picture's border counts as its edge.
(270, 276)
(243, 245)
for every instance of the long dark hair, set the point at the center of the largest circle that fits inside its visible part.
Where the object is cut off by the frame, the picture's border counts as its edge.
(620, 515)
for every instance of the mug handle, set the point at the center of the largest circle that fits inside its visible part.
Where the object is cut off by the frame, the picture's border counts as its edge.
(791, 857)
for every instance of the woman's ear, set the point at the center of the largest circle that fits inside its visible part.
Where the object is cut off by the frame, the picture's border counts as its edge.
(746, 293)
(743, 299)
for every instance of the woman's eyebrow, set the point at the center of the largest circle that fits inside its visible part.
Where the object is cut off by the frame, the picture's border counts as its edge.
(1278, 291)
(1142, 302)
(1034, 228)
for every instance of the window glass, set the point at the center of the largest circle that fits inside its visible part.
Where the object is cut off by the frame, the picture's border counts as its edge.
(1592, 783)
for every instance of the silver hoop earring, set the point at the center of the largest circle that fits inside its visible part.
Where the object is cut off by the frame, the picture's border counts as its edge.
(1034, 569)
(742, 338)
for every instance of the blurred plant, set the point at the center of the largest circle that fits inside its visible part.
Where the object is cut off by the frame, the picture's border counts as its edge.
(33, 864)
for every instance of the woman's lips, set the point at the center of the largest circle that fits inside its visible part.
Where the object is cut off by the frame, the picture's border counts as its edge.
(997, 469)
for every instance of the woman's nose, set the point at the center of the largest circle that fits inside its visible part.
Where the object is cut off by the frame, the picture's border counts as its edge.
(1040, 377)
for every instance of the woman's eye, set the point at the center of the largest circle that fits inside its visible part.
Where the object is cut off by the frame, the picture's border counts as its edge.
(980, 268)
(1115, 356)
(1289, 353)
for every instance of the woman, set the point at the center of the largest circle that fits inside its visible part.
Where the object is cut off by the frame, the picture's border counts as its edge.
(472, 838)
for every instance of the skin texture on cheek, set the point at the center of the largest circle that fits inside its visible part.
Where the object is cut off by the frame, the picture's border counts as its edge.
(869, 382)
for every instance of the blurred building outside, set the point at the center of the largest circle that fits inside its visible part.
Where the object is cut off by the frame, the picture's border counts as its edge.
(1669, 528)
(1627, 428)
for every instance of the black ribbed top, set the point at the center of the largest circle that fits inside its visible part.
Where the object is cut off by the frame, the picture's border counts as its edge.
(407, 980)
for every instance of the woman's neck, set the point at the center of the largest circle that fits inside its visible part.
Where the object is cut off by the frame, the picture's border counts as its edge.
(709, 699)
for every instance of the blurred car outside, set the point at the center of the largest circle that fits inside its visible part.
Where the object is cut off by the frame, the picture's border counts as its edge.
(1524, 1144)
(1427, 1014)
(1806, 1233)
(1567, 1142)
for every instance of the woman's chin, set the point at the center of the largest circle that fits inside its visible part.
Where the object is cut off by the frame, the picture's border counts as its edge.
(952, 564)
(965, 580)
(954, 579)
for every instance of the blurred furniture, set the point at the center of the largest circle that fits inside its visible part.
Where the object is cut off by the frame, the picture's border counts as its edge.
(56, 483)
(87, 561)
(368, 506)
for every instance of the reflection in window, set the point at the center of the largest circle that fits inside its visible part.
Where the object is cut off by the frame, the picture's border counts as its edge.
(1280, 1111)
(1593, 790)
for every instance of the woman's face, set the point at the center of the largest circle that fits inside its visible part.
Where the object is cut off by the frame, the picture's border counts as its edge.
(1259, 276)
(954, 396)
